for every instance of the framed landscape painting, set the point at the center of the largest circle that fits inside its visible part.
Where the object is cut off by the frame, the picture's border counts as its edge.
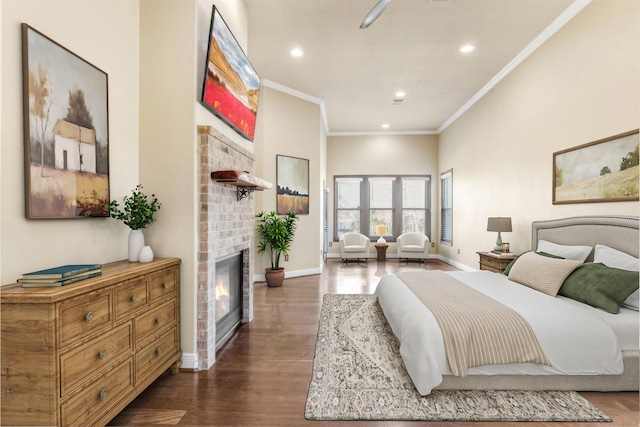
(292, 177)
(66, 131)
(600, 171)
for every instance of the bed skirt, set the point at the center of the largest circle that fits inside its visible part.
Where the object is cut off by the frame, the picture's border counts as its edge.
(628, 381)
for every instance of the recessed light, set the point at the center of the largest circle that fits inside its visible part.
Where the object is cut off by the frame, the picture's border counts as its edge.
(400, 94)
(385, 126)
(467, 48)
(297, 52)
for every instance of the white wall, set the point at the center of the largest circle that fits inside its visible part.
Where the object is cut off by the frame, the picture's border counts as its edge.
(105, 34)
(380, 155)
(582, 85)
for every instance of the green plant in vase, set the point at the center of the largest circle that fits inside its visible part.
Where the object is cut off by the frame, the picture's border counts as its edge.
(137, 213)
(276, 236)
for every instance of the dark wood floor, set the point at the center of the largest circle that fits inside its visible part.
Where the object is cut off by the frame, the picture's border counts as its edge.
(262, 373)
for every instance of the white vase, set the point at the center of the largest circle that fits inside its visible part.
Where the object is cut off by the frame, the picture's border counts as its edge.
(146, 254)
(136, 242)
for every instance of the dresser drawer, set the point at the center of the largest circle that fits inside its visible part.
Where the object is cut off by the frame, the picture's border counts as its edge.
(77, 365)
(162, 284)
(150, 357)
(82, 316)
(131, 296)
(99, 396)
(155, 320)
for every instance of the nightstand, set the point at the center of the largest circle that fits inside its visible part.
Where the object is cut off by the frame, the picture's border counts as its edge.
(497, 264)
(382, 251)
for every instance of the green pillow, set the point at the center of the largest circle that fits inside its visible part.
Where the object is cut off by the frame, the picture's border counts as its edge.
(600, 286)
(508, 269)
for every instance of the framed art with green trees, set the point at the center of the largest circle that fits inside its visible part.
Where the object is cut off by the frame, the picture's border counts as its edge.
(66, 131)
(605, 170)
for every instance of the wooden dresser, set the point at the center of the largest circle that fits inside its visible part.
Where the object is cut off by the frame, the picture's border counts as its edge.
(77, 355)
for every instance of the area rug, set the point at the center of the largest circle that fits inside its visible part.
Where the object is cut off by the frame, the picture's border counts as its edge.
(358, 375)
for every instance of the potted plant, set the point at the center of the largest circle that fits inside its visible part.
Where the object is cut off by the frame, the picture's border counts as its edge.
(137, 214)
(276, 236)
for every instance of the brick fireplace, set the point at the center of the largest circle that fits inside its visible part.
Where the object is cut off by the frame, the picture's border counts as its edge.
(226, 227)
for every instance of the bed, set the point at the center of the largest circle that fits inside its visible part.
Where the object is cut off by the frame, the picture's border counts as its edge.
(588, 349)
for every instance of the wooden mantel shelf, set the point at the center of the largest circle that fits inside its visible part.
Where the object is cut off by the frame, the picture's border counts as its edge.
(245, 182)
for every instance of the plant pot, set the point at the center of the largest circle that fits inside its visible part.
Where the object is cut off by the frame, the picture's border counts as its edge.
(274, 277)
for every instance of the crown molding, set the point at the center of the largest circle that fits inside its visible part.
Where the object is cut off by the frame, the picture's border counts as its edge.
(551, 29)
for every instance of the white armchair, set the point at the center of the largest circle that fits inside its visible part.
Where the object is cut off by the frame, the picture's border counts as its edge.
(413, 246)
(354, 246)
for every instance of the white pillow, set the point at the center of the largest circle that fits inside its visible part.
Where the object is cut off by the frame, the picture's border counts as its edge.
(578, 253)
(617, 259)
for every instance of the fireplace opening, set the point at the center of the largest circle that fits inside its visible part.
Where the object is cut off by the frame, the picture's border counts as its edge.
(228, 290)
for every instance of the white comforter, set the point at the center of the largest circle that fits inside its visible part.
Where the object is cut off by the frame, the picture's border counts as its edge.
(576, 341)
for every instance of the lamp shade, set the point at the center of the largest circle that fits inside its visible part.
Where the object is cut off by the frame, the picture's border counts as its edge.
(381, 230)
(499, 224)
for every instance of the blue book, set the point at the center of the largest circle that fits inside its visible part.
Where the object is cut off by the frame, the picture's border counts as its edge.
(62, 271)
(39, 283)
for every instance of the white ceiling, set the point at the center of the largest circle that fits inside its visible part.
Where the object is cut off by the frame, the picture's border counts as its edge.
(413, 46)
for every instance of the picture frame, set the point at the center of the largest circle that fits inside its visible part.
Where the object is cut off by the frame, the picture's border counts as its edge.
(605, 170)
(292, 182)
(231, 86)
(66, 131)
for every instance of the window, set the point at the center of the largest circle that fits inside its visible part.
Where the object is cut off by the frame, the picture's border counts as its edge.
(401, 203)
(446, 210)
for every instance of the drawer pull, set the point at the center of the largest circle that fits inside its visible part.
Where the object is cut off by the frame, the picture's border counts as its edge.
(165, 285)
(159, 320)
(89, 317)
(134, 298)
(103, 353)
(103, 394)
(159, 351)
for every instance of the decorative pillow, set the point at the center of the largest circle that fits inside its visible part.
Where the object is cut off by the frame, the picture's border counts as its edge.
(542, 273)
(579, 253)
(600, 286)
(508, 269)
(617, 259)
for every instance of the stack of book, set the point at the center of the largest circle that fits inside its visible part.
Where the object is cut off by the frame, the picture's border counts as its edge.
(500, 254)
(60, 276)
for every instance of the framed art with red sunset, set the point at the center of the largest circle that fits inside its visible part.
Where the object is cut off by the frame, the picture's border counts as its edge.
(231, 85)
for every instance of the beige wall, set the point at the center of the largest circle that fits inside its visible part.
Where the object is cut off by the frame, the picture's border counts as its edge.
(107, 35)
(580, 86)
(291, 126)
(380, 155)
(173, 46)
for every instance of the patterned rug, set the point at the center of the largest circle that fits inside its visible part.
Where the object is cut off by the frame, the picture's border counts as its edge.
(358, 375)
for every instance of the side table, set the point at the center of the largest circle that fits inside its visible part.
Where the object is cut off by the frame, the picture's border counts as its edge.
(497, 264)
(382, 251)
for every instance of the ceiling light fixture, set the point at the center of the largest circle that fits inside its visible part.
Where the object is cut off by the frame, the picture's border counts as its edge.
(467, 48)
(297, 52)
(400, 94)
(385, 126)
(375, 12)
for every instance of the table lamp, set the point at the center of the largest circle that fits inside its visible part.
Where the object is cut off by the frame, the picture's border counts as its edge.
(499, 224)
(381, 230)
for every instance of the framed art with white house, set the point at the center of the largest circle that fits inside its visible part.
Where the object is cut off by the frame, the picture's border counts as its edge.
(66, 131)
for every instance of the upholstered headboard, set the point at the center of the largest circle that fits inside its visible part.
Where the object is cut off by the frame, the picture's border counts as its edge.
(618, 232)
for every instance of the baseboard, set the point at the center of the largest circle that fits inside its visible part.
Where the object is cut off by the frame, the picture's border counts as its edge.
(189, 361)
(292, 273)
